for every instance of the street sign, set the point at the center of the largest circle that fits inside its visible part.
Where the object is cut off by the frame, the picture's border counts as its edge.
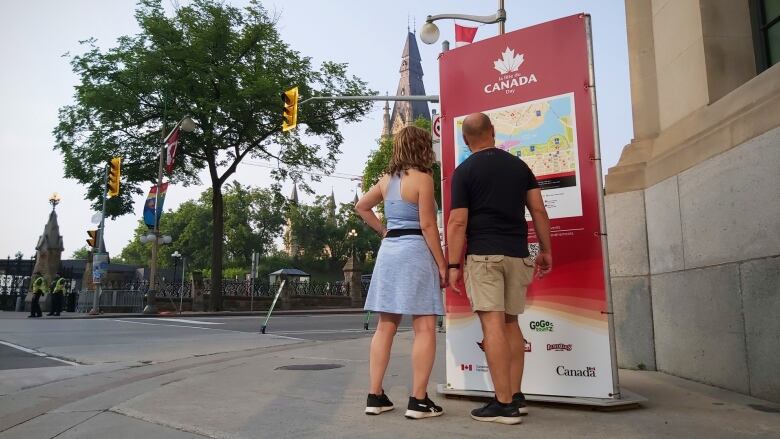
(436, 128)
(96, 218)
(99, 267)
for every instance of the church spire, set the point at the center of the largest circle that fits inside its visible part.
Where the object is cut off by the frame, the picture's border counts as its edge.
(294, 194)
(410, 84)
(387, 127)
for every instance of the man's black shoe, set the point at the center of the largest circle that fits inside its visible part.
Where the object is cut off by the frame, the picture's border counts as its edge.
(376, 404)
(422, 408)
(495, 411)
(518, 399)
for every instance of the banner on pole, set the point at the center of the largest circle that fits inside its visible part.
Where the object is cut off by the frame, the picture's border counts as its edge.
(99, 267)
(534, 85)
(151, 200)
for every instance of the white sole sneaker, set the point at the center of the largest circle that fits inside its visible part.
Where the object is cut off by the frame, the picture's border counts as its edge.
(414, 414)
(378, 410)
(507, 420)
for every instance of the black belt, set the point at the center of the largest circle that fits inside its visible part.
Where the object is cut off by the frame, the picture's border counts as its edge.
(402, 232)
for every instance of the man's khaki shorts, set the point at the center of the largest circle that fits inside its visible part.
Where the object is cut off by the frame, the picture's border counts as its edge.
(498, 283)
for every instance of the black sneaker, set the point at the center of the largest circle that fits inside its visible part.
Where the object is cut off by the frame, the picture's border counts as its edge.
(518, 399)
(377, 404)
(422, 408)
(494, 411)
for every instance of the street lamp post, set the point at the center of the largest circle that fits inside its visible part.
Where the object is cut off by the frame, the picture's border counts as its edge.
(186, 124)
(352, 235)
(430, 32)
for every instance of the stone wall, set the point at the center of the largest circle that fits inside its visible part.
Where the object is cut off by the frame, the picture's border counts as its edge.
(696, 271)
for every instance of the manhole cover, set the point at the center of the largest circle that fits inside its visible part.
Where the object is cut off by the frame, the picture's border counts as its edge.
(309, 367)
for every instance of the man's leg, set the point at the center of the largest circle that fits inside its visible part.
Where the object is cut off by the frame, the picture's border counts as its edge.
(497, 352)
(35, 306)
(58, 304)
(517, 351)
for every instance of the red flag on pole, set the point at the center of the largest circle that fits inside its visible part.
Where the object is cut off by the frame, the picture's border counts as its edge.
(170, 150)
(464, 35)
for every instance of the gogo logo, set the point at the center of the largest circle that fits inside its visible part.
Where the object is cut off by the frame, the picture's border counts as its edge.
(588, 372)
(559, 347)
(541, 326)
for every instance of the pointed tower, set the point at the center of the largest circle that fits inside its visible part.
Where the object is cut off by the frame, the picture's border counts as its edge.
(48, 250)
(290, 243)
(387, 126)
(410, 84)
(332, 207)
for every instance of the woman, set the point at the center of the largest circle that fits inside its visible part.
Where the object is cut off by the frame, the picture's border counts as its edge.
(410, 268)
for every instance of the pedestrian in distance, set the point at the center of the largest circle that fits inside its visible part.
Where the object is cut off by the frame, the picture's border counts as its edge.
(490, 192)
(410, 268)
(57, 295)
(39, 289)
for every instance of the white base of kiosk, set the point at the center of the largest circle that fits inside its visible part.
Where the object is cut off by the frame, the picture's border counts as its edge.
(628, 399)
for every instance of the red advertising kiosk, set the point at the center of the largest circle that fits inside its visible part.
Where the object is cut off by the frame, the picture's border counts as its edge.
(537, 86)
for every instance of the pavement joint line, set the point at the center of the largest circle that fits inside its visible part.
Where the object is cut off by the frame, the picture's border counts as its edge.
(77, 424)
(176, 319)
(37, 353)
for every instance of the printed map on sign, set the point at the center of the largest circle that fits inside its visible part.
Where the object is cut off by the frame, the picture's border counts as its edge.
(541, 133)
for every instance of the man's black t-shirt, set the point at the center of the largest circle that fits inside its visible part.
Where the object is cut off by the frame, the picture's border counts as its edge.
(492, 185)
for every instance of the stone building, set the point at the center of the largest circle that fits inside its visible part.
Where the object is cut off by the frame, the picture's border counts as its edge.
(410, 83)
(693, 205)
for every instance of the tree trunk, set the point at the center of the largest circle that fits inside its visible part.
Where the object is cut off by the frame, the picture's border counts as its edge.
(218, 231)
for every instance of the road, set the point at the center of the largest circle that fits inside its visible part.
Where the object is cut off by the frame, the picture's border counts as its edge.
(37, 343)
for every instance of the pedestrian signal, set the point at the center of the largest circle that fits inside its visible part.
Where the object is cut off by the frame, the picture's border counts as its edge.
(92, 240)
(113, 177)
(290, 98)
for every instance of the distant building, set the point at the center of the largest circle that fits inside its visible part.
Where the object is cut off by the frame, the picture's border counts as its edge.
(410, 84)
(693, 205)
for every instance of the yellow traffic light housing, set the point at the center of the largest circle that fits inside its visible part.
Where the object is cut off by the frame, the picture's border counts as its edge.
(290, 98)
(113, 177)
(92, 240)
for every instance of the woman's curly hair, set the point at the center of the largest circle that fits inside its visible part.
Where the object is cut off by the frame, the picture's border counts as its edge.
(412, 149)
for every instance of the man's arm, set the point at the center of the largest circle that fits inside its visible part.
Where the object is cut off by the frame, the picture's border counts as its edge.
(541, 221)
(456, 240)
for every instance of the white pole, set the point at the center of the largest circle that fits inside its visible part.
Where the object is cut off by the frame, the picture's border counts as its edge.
(181, 286)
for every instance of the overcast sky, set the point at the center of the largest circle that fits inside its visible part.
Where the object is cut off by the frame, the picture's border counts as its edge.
(36, 80)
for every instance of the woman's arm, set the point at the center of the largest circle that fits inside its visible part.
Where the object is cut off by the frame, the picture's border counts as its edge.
(430, 230)
(364, 207)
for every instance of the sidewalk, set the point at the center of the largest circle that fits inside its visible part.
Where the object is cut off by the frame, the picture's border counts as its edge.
(246, 395)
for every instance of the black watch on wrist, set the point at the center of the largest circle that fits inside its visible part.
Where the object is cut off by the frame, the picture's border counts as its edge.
(455, 266)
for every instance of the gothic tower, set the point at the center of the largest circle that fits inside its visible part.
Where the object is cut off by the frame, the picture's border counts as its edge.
(410, 84)
(290, 243)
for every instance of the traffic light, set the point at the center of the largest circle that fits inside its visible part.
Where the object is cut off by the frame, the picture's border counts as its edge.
(290, 98)
(113, 177)
(92, 241)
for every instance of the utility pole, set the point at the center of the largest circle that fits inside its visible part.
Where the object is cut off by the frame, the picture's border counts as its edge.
(100, 259)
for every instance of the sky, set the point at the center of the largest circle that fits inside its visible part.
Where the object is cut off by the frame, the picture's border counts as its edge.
(36, 80)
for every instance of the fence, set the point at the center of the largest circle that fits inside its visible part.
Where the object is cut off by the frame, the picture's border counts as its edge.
(112, 301)
(239, 288)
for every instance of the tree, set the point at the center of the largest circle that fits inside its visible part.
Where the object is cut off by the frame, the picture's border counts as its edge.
(82, 253)
(225, 67)
(253, 218)
(379, 160)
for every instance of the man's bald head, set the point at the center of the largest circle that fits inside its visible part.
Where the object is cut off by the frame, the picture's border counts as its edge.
(478, 131)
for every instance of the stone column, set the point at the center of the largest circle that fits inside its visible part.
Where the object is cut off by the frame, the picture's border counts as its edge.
(198, 304)
(352, 271)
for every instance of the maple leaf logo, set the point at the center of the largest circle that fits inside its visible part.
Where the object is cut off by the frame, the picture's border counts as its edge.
(509, 62)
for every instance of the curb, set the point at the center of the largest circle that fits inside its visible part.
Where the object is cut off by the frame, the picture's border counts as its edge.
(219, 314)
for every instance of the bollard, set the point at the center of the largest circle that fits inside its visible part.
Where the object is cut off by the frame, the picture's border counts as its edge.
(19, 303)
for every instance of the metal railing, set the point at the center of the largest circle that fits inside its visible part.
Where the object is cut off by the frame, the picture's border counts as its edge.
(112, 301)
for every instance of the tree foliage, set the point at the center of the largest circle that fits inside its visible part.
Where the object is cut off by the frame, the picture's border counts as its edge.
(379, 160)
(81, 253)
(254, 219)
(225, 67)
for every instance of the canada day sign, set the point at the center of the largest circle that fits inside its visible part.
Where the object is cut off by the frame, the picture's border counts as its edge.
(508, 65)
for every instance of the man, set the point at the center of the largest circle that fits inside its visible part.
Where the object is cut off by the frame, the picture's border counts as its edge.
(58, 295)
(39, 289)
(490, 192)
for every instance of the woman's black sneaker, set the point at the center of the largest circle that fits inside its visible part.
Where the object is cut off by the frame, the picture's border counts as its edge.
(377, 404)
(494, 411)
(518, 399)
(422, 408)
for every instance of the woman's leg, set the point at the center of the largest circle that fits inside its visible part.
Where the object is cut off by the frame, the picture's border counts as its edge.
(423, 353)
(379, 354)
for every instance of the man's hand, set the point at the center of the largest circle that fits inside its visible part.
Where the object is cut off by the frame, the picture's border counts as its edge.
(454, 278)
(543, 264)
